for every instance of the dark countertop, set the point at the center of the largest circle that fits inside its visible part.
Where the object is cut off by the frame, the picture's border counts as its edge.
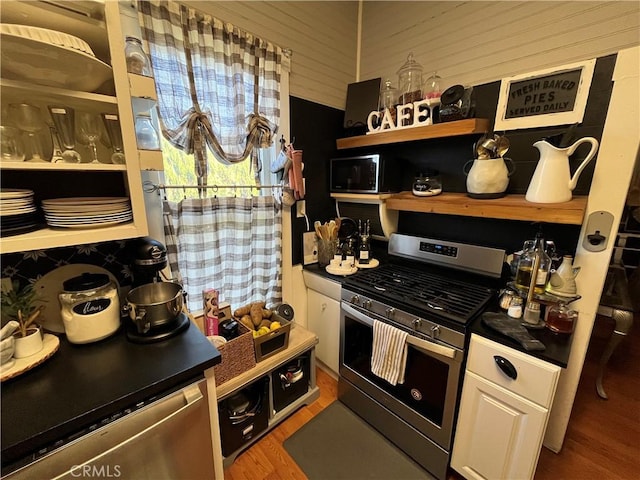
(558, 346)
(80, 385)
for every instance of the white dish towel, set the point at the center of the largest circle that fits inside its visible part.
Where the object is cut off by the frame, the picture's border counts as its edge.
(389, 352)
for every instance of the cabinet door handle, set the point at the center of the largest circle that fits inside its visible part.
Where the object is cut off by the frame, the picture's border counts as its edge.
(506, 366)
(323, 307)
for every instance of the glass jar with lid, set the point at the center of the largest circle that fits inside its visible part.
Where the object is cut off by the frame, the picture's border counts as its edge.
(410, 81)
(433, 87)
(388, 96)
(388, 99)
(89, 307)
(427, 184)
(146, 134)
(137, 60)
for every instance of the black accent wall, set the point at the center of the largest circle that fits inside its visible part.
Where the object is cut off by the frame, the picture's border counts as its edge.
(314, 124)
(314, 129)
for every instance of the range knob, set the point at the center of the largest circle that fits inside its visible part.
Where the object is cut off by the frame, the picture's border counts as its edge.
(366, 304)
(390, 312)
(417, 323)
(355, 299)
(435, 331)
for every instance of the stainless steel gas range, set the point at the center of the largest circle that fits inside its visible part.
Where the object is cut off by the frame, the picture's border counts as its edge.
(433, 290)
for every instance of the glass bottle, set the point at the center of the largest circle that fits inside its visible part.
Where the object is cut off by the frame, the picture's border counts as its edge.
(560, 318)
(528, 260)
(349, 253)
(146, 134)
(364, 249)
(137, 60)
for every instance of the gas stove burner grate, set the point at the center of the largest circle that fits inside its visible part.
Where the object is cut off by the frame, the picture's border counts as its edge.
(425, 291)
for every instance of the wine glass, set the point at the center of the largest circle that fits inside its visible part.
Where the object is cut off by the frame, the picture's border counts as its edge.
(89, 129)
(112, 126)
(29, 119)
(64, 120)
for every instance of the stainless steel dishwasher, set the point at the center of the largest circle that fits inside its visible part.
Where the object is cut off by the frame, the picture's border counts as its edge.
(167, 438)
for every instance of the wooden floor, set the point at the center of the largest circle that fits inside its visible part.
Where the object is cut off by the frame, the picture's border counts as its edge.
(602, 441)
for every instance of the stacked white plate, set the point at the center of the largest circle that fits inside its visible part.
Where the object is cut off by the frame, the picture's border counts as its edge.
(86, 212)
(18, 212)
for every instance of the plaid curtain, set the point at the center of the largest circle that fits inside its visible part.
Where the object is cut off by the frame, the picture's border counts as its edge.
(217, 84)
(231, 244)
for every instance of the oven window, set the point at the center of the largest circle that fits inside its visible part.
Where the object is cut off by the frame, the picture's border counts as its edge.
(425, 386)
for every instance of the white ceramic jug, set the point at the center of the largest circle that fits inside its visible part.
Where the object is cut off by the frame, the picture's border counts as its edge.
(552, 181)
(488, 177)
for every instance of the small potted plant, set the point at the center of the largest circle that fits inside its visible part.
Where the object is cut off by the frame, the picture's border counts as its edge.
(20, 304)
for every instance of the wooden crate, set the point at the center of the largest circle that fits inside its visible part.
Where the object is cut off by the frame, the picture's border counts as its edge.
(273, 342)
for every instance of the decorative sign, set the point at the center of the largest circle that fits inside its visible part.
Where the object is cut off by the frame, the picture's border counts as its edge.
(555, 96)
(414, 114)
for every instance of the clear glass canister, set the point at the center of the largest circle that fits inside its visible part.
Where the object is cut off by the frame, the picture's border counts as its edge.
(146, 134)
(388, 96)
(410, 81)
(389, 99)
(433, 87)
(137, 60)
(427, 184)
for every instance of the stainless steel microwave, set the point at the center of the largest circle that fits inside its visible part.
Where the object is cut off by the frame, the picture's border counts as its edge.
(364, 174)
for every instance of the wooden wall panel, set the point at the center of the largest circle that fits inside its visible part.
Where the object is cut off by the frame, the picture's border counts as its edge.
(471, 43)
(467, 42)
(321, 34)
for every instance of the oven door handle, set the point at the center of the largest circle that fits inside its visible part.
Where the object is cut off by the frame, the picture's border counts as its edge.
(417, 342)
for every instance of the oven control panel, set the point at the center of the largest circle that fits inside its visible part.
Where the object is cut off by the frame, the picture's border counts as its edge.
(439, 249)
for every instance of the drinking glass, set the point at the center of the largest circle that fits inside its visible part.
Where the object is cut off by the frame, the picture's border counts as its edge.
(12, 148)
(29, 119)
(89, 129)
(56, 154)
(112, 126)
(64, 120)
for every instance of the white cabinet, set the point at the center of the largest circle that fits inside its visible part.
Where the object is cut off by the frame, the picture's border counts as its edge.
(104, 32)
(503, 412)
(323, 318)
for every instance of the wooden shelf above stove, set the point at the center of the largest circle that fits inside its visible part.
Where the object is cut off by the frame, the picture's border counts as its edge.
(511, 207)
(439, 130)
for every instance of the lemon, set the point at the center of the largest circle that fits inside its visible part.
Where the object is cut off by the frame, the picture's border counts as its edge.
(274, 326)
(263, 331)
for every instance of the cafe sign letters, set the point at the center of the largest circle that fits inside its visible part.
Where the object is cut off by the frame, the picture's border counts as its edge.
(555, 96)
(414, 114)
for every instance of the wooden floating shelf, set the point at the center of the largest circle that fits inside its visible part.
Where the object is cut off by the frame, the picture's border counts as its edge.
(439, 130)
(511, 207)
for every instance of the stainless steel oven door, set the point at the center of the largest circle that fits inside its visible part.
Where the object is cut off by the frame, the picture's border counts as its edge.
(427, 398)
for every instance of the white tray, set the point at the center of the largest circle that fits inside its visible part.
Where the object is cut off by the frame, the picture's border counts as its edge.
(340, 270)
(373, 263)
(18, 366)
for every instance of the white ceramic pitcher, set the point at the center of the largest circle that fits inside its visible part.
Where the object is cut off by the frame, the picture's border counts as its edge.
(552, 181)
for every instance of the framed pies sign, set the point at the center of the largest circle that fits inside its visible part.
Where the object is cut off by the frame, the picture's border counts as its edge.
(555, 96)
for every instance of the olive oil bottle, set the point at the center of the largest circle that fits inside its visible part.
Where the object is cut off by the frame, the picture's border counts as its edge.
(526, 265)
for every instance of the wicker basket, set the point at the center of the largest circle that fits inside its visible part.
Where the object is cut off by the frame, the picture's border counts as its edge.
(238, 356)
